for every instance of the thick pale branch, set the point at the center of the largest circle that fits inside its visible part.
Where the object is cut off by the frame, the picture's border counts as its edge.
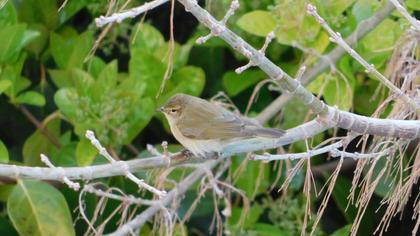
(346, 120)
(303, 155)
(118, 168)
(356, 155)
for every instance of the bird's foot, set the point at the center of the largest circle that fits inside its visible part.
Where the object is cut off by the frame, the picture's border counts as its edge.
(187, 153)
(214, 155)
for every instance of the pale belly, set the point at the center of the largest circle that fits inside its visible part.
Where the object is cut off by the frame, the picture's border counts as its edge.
(198, 147)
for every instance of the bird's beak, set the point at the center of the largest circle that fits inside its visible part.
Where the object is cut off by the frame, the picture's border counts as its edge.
(160, 109)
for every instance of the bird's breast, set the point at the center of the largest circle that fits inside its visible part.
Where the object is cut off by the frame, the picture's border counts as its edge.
(197, 146)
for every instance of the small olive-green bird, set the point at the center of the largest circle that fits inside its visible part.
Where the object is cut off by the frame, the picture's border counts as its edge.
(203, 127)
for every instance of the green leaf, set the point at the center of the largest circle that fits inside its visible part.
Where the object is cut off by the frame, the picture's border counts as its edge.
(139, 117)
(6, 227)
(335, 7)
(147, 69)
(85, 153)
(332, 10)
(72, 7)
(12, 39)
(363, 9)
(236, 83)
(254, 178)
(106, 81)
(294, 25)
(36, 208)
(8, 14)
(66, 156)
(339, 92)
(378, 45)
(39, 11)
(31, 98)
(37, 45)
(4, 85)
(340, 192)
(251, 217)
(96, 66)
(257, 22)
(412, 4)
(38, 143)
(147, 38)
(150, 41)
(363, 100)
(268, 230)
(66, 101)
(296, 113)
(61, 78)
(383, 37)
(344, 231)
(70, 52)
(4, 154)
(5, 190)
(12, 72)
(193, 85)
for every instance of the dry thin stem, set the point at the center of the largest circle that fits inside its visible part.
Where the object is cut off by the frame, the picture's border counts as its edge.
(270, 36)
(73, 185)
(133, 12)
(179, 190)
(267, 157)
(90, 188)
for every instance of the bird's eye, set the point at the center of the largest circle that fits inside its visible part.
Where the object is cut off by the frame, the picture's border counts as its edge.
(173, 110)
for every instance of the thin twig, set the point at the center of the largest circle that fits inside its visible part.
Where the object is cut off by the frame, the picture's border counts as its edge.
(118, 17)
(95, 142)
(413, 21)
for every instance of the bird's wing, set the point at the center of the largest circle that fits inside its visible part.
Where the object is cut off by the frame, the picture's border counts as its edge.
(221, 124)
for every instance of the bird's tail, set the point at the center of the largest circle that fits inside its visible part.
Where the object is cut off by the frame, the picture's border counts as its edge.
(269, 132)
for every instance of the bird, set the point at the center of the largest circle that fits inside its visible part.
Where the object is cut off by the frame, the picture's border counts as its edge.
(205, 128)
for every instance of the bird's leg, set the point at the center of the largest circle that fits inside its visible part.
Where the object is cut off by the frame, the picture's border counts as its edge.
(214, 155)
(187, 153)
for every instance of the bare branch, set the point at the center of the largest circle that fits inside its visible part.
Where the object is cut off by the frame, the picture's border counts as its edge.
(118, 17)
(73, 185)
(268, 40)
(140, 182)
(356, 155)
(90, 188)
(413, 21)
(267, 157)
(221, 25)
